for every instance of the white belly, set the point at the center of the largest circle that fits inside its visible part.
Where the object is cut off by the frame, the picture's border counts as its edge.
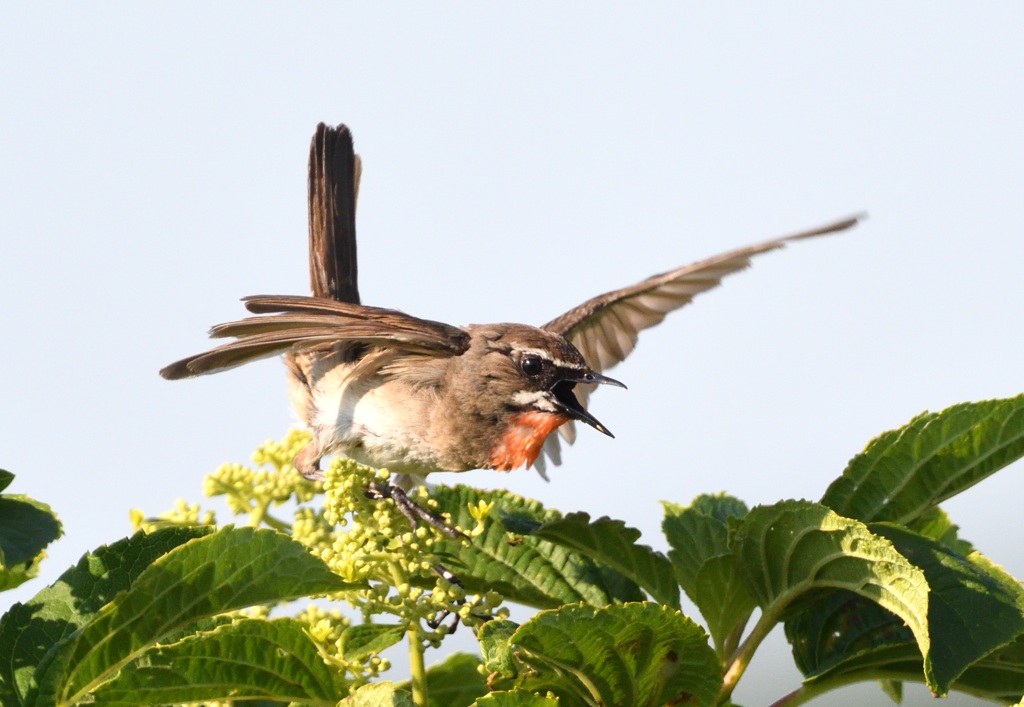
(374, 421)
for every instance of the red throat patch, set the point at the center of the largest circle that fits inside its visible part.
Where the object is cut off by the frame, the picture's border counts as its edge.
(522, 442)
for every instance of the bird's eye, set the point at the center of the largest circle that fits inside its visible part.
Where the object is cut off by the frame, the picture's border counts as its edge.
(531, 365)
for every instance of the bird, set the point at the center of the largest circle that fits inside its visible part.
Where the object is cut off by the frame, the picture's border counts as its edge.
(417, 396)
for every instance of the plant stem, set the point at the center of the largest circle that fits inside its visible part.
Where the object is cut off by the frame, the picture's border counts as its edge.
(416, 665)
(256, 515)
(765, 623)
(417, 668)
(790, 700)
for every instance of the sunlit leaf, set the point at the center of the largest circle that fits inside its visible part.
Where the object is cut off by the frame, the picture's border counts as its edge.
(524, 569)
(26, 528)
(633, 654)
(380, 694)
(251, 659)
(974, 608)
(904, 472)
(517, 698)
(793, 549)
(230, 569)
(28, 631)
(613, 543)
(704, 564)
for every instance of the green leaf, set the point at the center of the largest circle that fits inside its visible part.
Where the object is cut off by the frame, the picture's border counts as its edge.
(359, 641)
(26, 528)
(842, 633)
(935, 524)
(704, 565)
(29, 630)
(935, 456)
(495, 639)
(632, 654)
(250, 659)
(18, 575)
(456, 682)
(791, 549)
(893, 689)
(524, 569)
(974, 608)
(612, 543)
(381, 694)
(998, 676)
(517, 698)
(228, 570)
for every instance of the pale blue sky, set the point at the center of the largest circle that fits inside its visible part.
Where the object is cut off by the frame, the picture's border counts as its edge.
(517, 161)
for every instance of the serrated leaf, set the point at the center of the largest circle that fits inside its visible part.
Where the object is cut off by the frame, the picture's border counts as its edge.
(381, 694)
(997, 676)
(251, 659)
(613, 543)
(724, 600)
(495, 639)
(704, 564)
(16, 576)
(842, 631)
(29, 630)
(633, 654)
(935, 456)
(27, 526)
(974, 608)
(517, 698)
(935, 524)
(228, 570)
(359, 641)
(525, 569)
(791, 549)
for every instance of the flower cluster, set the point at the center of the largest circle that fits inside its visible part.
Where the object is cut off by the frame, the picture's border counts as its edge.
(183, 513)
(361, 538)
(372, 541)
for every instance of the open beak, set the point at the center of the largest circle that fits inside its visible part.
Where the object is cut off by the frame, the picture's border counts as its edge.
(571, 405)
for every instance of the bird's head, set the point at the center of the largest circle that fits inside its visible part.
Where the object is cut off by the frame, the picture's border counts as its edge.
(529, 374)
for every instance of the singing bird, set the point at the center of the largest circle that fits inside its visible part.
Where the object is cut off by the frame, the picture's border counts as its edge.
(416, 396)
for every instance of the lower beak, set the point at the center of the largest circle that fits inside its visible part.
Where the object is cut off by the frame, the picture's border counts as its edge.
(571, 405)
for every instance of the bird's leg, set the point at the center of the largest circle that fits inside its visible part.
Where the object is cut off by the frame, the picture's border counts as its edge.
(410, 510)
(307, 463)
(452, 579)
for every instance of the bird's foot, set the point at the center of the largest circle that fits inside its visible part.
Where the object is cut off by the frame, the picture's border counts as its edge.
(411, 510)
(439, 619)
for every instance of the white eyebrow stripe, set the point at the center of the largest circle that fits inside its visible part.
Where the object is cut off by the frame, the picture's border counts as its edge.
(546, 355)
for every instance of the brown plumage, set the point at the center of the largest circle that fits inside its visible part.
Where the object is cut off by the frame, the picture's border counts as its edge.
(417, 396)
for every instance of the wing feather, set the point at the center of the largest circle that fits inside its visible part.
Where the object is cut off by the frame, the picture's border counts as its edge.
(304, 323)
(605, 328)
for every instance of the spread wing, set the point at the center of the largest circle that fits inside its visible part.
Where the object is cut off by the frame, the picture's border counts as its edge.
(605, 328)
(303, 323)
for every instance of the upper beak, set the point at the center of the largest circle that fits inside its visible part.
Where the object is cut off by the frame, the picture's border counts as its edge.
(595, 378)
